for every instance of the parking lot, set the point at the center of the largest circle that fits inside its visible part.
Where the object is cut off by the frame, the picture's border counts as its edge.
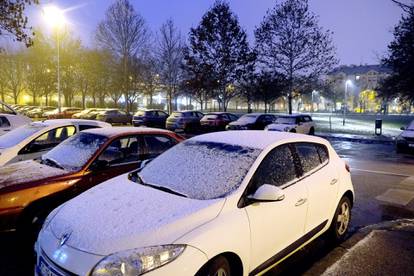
(384, 186)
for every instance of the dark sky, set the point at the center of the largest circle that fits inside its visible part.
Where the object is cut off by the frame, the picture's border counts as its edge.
(362, 28)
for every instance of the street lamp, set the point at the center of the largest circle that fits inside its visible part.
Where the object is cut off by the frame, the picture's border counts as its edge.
(347, 83)
(55, 18)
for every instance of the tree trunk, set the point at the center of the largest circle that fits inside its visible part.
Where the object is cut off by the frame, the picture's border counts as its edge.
(290, 102)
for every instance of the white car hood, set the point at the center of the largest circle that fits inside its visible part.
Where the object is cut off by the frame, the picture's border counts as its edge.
(407, 134)
(280, 127)
(120, 214)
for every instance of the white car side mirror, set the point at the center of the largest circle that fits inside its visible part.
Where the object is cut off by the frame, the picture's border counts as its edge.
(268, 193)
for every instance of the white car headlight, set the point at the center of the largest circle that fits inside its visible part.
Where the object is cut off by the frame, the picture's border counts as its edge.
(287, 129)
(137, 261)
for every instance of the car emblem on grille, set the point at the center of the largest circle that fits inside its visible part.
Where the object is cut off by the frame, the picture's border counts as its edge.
(64, 238)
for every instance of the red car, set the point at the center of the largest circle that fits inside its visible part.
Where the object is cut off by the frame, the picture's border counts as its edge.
(29, 190)
(217, 120)
(65, 113)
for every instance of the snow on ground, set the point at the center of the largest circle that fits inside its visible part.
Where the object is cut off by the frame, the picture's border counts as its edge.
(353, 125)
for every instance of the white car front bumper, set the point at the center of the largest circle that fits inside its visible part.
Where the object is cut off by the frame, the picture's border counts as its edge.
(53, 259)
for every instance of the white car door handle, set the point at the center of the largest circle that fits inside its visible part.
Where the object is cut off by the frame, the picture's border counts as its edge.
(333, 181)
(300, 202)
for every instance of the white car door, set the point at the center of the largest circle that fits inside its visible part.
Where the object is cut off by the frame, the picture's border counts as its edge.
(276, 225)
(321, 179)
(301, 125)
(43, 143)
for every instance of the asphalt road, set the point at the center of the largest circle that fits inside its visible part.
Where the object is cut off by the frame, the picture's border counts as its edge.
(384, 186)
(384, 190)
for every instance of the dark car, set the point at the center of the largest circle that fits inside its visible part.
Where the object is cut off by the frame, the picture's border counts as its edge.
(29, 190)
(252, 121)
(189, 121)
(114, 116)
(217, 120)
(150, 118)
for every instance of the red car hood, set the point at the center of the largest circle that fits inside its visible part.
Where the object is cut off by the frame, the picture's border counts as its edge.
(25, 172)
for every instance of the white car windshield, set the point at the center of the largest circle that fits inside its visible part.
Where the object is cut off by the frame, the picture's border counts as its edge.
(411, 126)
(200, 170)
(247, 119)
(17, 135)
(74, 152)
(285, 120)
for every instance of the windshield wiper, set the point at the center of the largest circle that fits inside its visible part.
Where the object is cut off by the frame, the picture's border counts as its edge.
(137, 178)
(53, 163)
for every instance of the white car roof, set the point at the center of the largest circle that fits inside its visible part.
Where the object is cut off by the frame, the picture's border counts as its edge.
(60, 122)
(258, 139)
(114, 131)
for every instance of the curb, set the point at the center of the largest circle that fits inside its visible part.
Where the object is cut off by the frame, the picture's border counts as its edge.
(362, 140)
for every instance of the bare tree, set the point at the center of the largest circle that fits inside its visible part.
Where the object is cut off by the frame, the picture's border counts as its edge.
(290, 42)
(15, 70)
(123, 32)
(404, 6)
(170, 56)
(13, 20)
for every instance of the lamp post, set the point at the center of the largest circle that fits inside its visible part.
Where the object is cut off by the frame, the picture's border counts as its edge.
(55, 19)
(348, 82)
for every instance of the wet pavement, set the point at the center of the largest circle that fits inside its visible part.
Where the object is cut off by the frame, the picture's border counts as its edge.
(384, 187)
(384, 190)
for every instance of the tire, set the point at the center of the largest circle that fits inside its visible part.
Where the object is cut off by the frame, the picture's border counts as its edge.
(293, 130)
(340, 222)
(311, 131)
(219, 266)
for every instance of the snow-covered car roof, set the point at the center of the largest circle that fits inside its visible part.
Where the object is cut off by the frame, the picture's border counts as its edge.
(292, 115)
(58, 122)
(255, 138)
(114, 131)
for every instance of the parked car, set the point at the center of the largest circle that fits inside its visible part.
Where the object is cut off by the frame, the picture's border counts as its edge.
(39, 111)
(114, 116)
(252, 121)
(217, 120)
(405, 141)
(29, 190)
(32, 140)
(84, 113)
(65, 113)
(208, 206)
(150, 118)
(10, 119)
(188, 121)
(296, 123)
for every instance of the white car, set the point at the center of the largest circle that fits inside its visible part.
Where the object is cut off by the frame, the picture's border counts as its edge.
(296, 123)
(10, 119)
(405, 141)
(226, 203)
(33, 140)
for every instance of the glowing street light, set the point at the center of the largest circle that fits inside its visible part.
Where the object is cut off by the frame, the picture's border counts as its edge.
(347, 83)
(55, 18)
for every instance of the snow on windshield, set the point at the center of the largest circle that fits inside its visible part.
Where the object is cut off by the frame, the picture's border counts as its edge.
(249, 119)
(17, 135)
(201, 170)
(73, 153)
(285, 120)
